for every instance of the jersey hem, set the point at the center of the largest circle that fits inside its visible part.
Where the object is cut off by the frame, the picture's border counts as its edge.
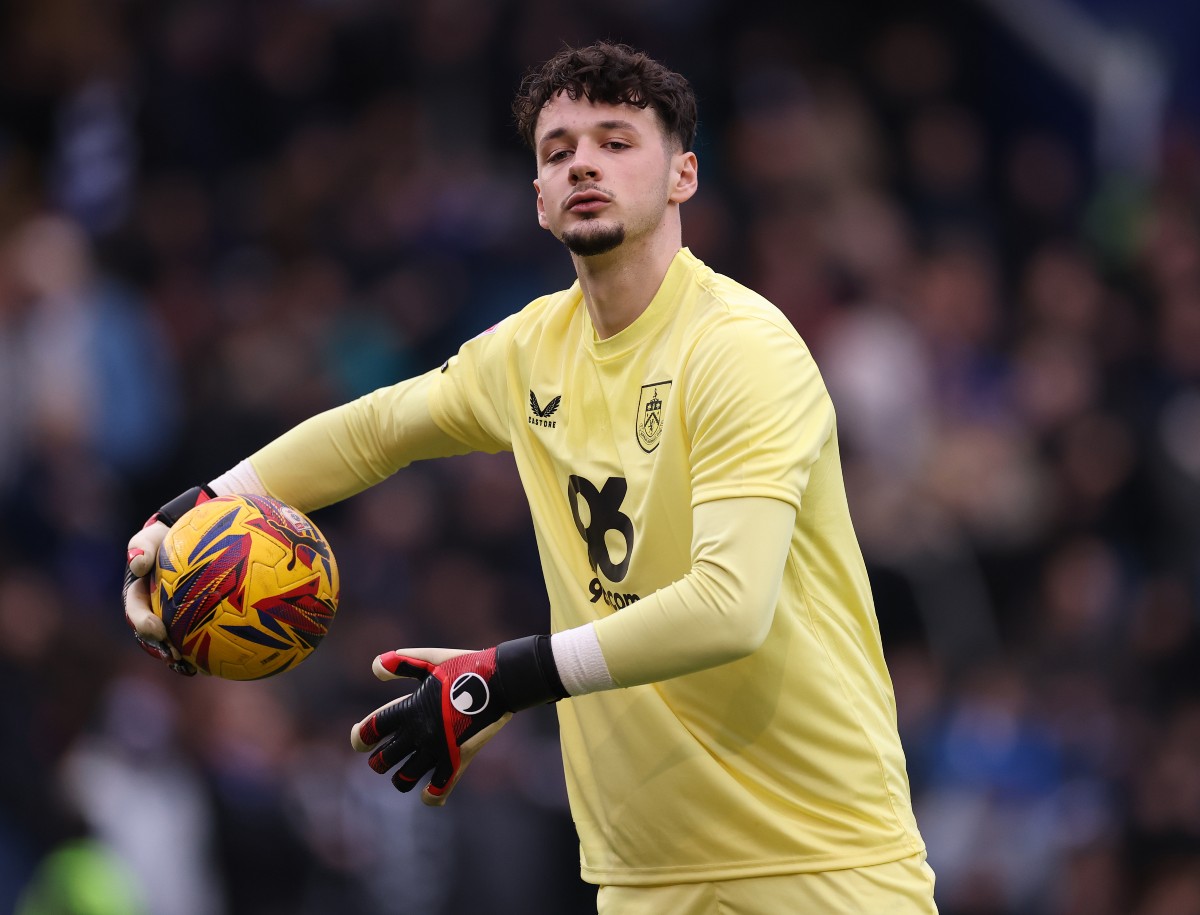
(707, 873)
(757, 490)
(441, 418)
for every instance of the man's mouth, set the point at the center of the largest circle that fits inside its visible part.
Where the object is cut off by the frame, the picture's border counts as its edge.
(586, 201)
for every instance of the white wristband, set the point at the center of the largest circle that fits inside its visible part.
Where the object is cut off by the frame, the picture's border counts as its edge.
(580, 662)
(242, 478)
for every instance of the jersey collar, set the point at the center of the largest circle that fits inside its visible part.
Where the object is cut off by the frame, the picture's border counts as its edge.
(649, 321)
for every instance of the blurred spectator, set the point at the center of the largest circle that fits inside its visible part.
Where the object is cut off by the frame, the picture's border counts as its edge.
(81, 877)
(38, 723)
(93, 375)
(140, 796)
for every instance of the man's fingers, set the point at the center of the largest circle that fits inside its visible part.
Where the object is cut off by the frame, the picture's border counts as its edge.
(140, 557)
(143, 548)
(406, 777)
(444, 779)
(376, 726)
(392, 665)
(143, 620)
(415, 663)
(390, 753)
(140, 561)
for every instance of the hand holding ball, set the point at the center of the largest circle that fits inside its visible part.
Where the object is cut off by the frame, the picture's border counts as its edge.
(246, 585)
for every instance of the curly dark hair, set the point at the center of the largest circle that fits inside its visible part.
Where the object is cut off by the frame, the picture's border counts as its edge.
(612, 74)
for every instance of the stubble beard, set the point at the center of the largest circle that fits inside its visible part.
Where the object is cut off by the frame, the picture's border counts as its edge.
(589, 239)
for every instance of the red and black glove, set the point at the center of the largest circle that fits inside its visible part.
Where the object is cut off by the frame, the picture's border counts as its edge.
(140, 557)
(464, 698)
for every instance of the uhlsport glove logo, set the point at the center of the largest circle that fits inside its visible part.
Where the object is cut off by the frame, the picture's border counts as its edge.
(469, 693)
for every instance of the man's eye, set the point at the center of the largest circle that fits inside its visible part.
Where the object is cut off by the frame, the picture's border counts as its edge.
(558, 155)
(617, 144)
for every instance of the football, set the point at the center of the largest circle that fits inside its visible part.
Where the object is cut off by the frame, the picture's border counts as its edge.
(246, 585)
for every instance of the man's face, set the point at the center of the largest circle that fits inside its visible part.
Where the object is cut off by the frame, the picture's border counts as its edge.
(605, 173)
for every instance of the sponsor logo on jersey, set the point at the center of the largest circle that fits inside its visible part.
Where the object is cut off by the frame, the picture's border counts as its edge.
(602, 519)
(605, 529)
(541, 415)
(649, 422)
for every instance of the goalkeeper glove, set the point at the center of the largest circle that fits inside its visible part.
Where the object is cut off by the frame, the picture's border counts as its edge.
(463, 700)
(148, 627)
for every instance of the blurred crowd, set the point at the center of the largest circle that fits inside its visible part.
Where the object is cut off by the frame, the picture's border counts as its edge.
(219, 217)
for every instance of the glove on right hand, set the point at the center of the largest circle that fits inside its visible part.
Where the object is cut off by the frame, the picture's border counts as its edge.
(140, 557)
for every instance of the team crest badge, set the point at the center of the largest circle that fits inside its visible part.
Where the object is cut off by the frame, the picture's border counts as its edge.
(649, 423)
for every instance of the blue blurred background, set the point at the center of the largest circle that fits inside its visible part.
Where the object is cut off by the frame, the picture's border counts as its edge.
(218, 217)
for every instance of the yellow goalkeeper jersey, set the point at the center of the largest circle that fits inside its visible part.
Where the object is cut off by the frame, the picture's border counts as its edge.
(785, 761)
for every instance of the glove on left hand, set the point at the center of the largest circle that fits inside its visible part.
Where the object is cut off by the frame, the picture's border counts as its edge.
(464, 698)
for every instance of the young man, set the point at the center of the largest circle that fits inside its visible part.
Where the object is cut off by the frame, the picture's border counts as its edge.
(729, 728)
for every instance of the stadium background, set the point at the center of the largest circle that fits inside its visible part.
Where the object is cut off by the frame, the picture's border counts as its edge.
(218, 217)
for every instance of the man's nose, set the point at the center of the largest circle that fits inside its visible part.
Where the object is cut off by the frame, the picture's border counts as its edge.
(584, 166)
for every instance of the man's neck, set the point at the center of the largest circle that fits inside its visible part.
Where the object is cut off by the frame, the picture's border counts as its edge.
(618, 286)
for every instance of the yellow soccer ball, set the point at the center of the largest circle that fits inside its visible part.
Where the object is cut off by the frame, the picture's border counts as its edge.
(246, 585)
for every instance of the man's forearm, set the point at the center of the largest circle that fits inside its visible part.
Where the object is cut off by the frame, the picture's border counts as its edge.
(343, 451)
(719, 611)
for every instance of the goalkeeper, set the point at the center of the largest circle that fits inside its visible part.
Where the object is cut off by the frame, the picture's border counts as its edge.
(727, 720)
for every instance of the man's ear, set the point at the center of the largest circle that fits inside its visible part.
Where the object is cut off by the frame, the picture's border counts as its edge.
(685, 177)
(541, 205)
